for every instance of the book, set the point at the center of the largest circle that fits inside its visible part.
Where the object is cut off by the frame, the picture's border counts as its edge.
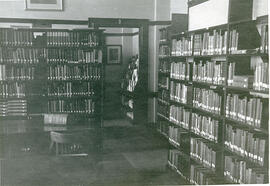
(164, 66)
(206, 99)
(179, 92)
(239, 171)
(16, 37)
(13, 108)
(204, 152)
(251, 111)
(212, 72)
(69, 89)
(73, 38)
(264, 39)
(204, 126)
(59, 55)
(179, 137)
(180, 116)
(178, 161)
(55, 119)
(164, 51)
(180, 70)
(84, 106)
(210, 43)
(245, 144)
(182, 46)
(67, 72)
(21, 55)
(261, 77)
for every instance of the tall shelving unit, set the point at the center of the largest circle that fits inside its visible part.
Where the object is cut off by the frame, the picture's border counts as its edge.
(22, 69)
(217, 118)
(60, 72)
(75, 72)
(128, 85)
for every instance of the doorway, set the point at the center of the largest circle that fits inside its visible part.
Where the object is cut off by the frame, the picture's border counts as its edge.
(133, 31)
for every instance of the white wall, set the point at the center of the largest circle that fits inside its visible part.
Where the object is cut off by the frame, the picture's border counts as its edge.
(207, 14)
(260, 8)
(135, 43)
(82, 9)
(179, 7)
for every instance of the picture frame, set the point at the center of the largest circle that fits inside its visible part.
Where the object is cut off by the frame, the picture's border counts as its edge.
(48, 5)
(114, 54)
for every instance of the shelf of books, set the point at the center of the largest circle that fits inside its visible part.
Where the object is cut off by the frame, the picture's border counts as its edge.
(128, 84)
(59, 70)
(213, 103)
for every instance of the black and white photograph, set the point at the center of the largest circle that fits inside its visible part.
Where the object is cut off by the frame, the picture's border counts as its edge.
(134, 92)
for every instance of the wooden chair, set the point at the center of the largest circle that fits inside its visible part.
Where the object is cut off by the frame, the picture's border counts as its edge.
(68, 141)
(71, 143)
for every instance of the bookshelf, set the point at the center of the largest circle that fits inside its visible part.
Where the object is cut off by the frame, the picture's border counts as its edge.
(128, 85)
(219, 94)
(53, 71)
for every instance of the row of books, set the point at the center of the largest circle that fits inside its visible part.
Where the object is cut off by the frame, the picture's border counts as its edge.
(132, 82)
(251, 111)
(182, 47)
(69, 89)
(207, 100)
(86, 106)
(204, 152)
(209, 72)
(246, 144)
(164, 82)
(13, 37)
(239, 171)
(204, 126)
(163, 110)
(163, 35)
(73, 38)
(179, 92)
(180, 70)
(164, 51)
(59, 119)
(74, 56)
(164, 95)
(179, 162)
(163, 127)
(12, 90)
(233, 42)
(21, 55)
(66, 72)
(164, 66)
(16, 72)
(179, 137)
(180, 116)
(200, 175)
(261, 77)
(214, 43)
(13, 108)
(264, 39)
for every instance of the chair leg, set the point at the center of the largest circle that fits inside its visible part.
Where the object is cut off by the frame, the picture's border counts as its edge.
(56, 149)
(51, 146)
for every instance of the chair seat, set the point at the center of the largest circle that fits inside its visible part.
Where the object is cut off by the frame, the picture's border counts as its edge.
(71, 142)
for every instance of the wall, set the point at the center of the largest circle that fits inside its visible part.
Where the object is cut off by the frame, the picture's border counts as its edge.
(82, 9)
(179, 7)
(260, 8)
(207, 14)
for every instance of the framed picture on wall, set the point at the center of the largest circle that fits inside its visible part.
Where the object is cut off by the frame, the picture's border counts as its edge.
(43, 4)
(114, 54)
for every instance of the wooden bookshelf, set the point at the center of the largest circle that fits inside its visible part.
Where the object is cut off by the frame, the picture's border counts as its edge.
(226, 43)
(40, 50)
